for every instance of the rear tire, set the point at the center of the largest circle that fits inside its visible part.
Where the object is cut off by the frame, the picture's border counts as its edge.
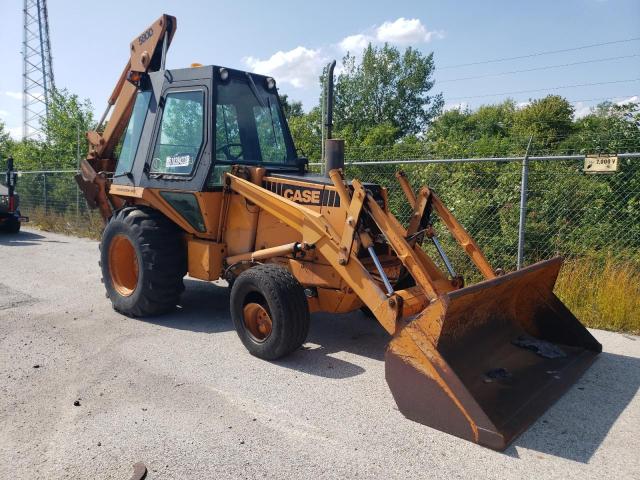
(143, 261)
(270, 311)
(11, 225)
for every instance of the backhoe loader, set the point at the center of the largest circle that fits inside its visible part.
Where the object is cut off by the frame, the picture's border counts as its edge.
(196, 173)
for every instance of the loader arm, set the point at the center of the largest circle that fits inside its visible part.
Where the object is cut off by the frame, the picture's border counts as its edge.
(470, 361)
(147, 54)
(316, 231)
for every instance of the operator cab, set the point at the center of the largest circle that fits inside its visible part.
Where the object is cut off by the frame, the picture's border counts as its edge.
(189, 126)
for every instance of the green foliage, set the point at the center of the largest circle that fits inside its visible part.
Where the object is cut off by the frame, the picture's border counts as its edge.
(549, 120)
(386, 88)
(291, 109)
(610, 128)
(69, 120)
(6, 147)
(306, 132)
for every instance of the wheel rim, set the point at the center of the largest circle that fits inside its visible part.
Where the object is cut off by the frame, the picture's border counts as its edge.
(123, 265)
(257, 321)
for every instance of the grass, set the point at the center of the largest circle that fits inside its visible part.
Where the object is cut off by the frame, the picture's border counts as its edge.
(602, 293)
(68, 223)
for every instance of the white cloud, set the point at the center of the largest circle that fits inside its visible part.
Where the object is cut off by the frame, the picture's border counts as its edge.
(405, 31)
(299, 67)
(634, 99)
(15, 132)
(523, 104)
(355, 43)
(581, 110)
(14, 95)
(462, 106)
(401, 31)
(4, 113)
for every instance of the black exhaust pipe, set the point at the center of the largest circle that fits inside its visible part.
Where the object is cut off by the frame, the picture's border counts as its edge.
(333, 148)
(329, 99)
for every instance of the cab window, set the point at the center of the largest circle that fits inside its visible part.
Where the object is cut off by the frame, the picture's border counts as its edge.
(249, 123)
(181, 134)
(131, 137)
(228, 144)
(270, 135)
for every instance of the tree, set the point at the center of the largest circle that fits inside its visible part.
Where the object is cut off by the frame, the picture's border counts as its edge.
(386, 87)
(6, 145)
(549, 120)
(68, 121)
(291, 108)
(306, 133)
(484, 132)
(609, 127)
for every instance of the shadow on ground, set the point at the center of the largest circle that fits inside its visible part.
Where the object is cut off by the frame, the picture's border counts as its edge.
(578, 424)
(353, 333)
(573, 429)
(23, 239)
(205, 308)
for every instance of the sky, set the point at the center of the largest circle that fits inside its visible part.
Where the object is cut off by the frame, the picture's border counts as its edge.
(293, 40)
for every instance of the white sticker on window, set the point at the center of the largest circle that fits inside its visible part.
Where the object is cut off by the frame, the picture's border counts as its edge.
(178, 161)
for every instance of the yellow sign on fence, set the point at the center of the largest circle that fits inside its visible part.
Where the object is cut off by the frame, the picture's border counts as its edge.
(601, 164)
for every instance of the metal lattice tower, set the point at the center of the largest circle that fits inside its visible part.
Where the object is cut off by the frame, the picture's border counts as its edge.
(37, 70)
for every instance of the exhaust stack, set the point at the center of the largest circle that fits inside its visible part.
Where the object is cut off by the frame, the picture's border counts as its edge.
(333, 152)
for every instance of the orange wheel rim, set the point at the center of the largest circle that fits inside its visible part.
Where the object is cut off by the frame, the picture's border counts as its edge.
(123, 265)
(257, 321)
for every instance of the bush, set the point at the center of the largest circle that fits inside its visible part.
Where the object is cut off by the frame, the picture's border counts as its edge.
(602, 293)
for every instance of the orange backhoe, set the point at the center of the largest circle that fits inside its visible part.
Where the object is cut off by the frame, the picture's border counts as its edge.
(196, 173)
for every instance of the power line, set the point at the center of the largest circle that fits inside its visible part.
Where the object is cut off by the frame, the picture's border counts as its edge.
(523, 102)
(604, 98)
(548, 52)
(539, 68)
(545, 89)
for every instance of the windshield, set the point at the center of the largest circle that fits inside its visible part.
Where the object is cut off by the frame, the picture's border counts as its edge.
(249, 123)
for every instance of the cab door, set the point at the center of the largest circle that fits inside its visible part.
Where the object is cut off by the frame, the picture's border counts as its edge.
(179, 156)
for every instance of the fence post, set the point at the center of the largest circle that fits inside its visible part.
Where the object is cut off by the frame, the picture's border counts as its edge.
(524, 184)
(44, 191)
(78, 165)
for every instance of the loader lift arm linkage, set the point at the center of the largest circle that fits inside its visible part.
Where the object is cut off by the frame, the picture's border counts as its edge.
(450, 342)
(481, 362)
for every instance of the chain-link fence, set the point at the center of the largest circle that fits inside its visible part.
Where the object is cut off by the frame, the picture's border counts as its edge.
(54, 202)
(567, 212)
(564, 212)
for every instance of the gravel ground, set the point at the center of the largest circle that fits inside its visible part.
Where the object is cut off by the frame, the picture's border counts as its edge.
(181, 394)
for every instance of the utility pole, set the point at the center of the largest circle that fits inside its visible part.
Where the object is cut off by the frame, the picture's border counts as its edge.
(37, 69)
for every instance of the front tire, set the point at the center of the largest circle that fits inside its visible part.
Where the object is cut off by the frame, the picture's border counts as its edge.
(143, 261)
(270, 311)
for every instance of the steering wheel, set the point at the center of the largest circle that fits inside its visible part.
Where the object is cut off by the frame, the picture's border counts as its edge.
(226, 150)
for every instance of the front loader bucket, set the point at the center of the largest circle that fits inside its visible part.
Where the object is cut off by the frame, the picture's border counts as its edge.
(485, 361)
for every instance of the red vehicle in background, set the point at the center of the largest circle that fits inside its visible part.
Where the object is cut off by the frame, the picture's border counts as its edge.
(10, 218)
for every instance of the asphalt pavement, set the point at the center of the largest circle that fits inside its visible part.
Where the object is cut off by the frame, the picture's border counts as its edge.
(86, 392)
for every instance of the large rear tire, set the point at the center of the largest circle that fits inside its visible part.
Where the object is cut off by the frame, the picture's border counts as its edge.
(11, 225)
(270, 311)
(143, 261)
